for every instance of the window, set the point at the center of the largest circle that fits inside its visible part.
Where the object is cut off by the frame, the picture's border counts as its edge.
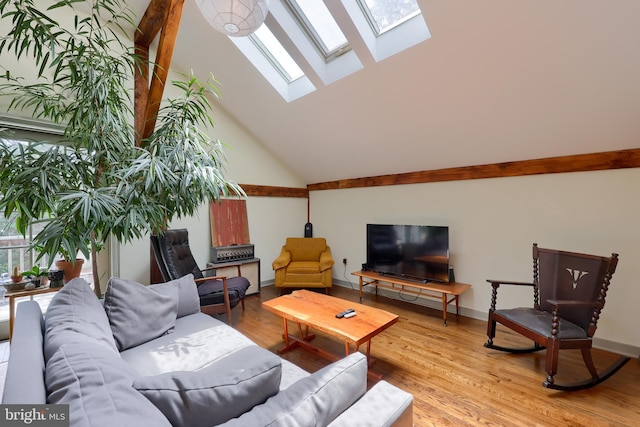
(388, 27)
(384, 15)
(318, 32)
(272, 69)
(320, 27)
(330, 57)
(273, 50)
(15, 248)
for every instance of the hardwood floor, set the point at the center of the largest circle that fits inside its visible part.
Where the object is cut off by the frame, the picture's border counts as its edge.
(455, 381)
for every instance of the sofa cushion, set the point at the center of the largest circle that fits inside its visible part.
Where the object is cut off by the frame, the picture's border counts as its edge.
(217, 393)
(97, 387)
(306, 248)
(139, 313)
(188, 300)
(304, 267)
(315, 400)
(76, 314)
(197, 341)
(384, 405)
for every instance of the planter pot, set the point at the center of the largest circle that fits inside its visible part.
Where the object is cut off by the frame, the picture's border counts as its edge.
(70, 270)
(56, 278)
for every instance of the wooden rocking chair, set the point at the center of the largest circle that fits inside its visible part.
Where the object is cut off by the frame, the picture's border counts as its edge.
(569, 291)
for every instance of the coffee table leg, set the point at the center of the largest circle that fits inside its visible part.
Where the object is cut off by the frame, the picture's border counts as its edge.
(300, 334)
(286, 332)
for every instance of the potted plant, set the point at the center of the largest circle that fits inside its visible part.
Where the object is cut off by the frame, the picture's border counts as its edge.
(39, 275)
(99, 182)
(16, 277)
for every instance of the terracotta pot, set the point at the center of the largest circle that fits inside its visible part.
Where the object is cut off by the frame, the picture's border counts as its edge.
(70, 270)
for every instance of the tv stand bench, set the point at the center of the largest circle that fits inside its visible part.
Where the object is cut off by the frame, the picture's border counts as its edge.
(446, 292)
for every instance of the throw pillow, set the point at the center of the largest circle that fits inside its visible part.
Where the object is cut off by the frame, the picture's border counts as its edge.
(139, 313)
(188, 299)
(97, 387)
(76, 314)
(213, 395)
(315, 400)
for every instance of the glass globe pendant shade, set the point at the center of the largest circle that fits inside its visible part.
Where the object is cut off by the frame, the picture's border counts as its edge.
(236, 18)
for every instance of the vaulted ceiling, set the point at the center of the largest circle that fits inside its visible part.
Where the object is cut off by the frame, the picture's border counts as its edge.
(498, 81)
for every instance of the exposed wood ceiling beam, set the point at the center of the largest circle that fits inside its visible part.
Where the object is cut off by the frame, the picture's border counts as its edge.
(621, 159)
(161, 16)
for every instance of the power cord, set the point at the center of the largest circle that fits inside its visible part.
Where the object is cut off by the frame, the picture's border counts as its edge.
(344, 274)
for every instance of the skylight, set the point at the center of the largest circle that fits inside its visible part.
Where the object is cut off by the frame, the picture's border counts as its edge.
(399, 26)
(305, 40)
(384, 15)
(320, 26)
(273, 50)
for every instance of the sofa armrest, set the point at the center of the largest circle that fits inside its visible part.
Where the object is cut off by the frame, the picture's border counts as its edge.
(283, 259)
(24, 383)
(326, 260)
(383, 405)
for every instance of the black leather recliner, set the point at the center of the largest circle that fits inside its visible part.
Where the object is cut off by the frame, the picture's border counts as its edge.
(218, 294)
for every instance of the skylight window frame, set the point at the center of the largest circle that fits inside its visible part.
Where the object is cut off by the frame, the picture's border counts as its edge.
(270, 56)
(289, 90)
(366, 11)
(337, 68)
(313, 35)
(409, 33)
(300, 43)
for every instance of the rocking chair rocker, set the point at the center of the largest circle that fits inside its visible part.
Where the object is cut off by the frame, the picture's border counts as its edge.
(569, 291)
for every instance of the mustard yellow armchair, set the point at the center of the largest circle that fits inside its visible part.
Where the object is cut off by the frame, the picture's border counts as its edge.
(304, 262)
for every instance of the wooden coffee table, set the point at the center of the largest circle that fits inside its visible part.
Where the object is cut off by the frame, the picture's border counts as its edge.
(312, 309)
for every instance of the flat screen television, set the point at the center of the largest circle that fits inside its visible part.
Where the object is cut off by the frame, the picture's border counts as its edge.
(414, 252)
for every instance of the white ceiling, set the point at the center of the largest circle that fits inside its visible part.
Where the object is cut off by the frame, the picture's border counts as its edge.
(499, 80)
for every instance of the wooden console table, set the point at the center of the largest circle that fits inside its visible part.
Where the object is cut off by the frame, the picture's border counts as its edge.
(447, 292)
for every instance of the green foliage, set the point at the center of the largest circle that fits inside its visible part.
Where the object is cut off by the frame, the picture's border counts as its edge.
(98, 183)
(36, 271)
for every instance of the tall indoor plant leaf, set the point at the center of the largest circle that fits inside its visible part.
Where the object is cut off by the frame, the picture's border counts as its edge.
(100, 184)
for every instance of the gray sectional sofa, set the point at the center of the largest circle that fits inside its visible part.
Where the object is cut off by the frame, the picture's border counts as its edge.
(146, 356)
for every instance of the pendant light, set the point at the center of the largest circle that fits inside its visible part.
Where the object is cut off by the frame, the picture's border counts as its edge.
(236, 18)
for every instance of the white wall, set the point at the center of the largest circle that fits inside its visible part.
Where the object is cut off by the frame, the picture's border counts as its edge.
(493, 223)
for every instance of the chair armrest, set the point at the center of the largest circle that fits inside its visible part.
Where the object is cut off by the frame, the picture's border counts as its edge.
(506, 282)
(573, 303)
(208, 278)
(495, 284)
(283, 259)
(326, 260)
